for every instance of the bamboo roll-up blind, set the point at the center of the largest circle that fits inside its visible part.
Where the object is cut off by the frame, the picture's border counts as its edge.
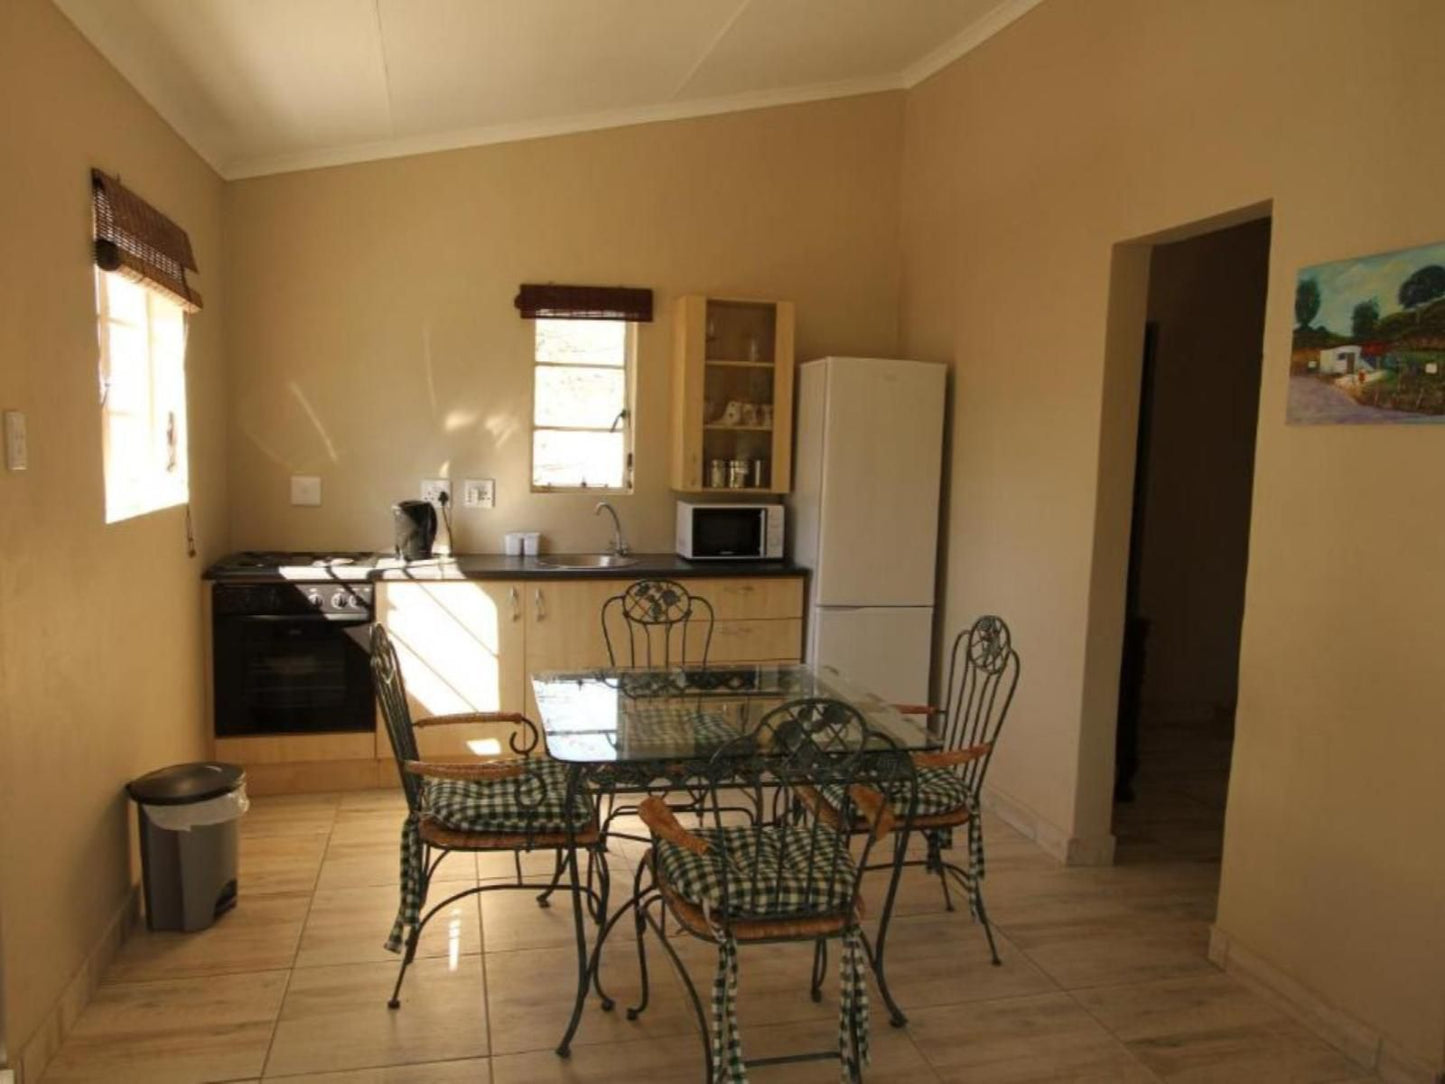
(136, 240)
(555, 302)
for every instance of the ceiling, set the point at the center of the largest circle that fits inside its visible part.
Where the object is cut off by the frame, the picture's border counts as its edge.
(267, 86)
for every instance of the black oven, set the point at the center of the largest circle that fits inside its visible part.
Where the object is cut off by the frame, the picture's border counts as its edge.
(291, 658)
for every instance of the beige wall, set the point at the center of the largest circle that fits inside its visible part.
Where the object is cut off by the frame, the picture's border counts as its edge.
(373, 341)
(100, 636)
(1085, 125)
(1206, 300)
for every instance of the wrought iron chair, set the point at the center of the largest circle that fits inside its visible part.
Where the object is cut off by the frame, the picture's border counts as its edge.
(794, 880)
(657, 617)
(983, 672)
(526, 803)
(659, 623)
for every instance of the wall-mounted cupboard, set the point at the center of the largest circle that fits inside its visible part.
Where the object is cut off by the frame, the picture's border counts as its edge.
(732, 379)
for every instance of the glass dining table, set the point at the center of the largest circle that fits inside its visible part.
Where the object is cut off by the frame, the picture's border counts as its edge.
(635, 730)
(656, 716)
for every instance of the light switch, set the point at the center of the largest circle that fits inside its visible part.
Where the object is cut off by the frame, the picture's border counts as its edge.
(17, 449)
(305, 489)
(479, 493)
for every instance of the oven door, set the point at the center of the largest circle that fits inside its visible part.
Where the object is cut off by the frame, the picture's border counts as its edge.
(292, 674)
(723, 531)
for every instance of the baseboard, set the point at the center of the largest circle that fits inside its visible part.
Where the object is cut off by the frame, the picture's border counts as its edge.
(318, 776)
(1053, 840)
(37, 1051)
(1355, 1039)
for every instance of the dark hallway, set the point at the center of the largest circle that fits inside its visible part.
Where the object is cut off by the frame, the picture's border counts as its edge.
(1189, 543)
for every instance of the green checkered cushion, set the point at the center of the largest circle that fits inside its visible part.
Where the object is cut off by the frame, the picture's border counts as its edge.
(678, 726)
(531, 803)
(940, 790)
(775, 871)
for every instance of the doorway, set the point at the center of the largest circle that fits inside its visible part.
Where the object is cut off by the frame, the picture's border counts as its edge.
(1189, 543)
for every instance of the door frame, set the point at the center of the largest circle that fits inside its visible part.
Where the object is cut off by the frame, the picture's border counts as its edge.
(1093, 842)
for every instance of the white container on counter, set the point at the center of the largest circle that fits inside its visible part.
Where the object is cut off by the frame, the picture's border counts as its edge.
(512, 543)
(531, 543)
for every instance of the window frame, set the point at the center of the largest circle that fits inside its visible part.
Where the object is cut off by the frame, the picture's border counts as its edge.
(629, 411)
(166, 482)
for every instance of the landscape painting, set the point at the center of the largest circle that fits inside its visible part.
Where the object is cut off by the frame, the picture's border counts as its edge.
(1369, 340)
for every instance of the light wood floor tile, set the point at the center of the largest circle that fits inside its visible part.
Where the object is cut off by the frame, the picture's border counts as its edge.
(359, 864)
(1212, 1028)
(675, 1060)
(530, 998)
(471, 1071)
(944, 960)
(173, 1032)
(336, 1017)
(1027, 1040)
(350, 926)
(280, 864)
(258, 934)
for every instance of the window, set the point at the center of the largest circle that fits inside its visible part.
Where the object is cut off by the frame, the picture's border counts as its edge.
(581, 405)
(142, 396)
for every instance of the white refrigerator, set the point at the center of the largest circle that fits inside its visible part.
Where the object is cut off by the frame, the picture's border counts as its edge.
(863, 517)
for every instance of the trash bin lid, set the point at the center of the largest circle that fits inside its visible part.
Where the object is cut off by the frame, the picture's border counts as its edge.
(182, 784)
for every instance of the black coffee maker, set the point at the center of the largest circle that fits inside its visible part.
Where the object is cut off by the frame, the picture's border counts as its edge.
(416, 529)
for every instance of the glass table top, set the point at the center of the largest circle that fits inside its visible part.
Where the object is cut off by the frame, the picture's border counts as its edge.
(605, 716)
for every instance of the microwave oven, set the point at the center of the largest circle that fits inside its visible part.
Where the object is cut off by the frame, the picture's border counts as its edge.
(729, 532)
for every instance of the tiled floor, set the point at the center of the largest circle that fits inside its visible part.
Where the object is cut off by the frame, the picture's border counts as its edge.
(1104, 979)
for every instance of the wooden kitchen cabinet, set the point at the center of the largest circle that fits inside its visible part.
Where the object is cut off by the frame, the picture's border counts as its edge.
(473, 645)
(461, 649)
(732, 379)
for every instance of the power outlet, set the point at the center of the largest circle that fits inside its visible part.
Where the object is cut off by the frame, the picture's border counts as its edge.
(305, 490)
(433, 488)
(479, 493)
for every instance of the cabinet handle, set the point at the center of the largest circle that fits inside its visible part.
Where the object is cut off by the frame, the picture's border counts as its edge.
(541, 609)
(514, 597)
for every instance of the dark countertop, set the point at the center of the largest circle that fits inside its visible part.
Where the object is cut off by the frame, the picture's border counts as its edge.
(494, 566)
(380, 568)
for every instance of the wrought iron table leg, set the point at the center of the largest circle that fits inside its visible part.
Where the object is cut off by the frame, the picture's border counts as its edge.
(564, 1048)
(900, 852)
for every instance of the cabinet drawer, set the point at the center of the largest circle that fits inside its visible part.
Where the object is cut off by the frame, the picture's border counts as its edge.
(738, 599)
(753, 641)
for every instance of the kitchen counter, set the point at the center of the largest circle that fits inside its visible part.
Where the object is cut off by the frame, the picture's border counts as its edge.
(494, 566)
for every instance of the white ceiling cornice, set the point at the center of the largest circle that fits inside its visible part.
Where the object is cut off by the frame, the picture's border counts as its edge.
(260, 87)
(542, 129)
(971, 38)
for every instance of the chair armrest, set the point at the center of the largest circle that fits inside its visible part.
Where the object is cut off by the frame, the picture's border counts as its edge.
(463, 717)
(917, 709)
(874, 809)
(654, 813)
(476, 773)
(946, 758)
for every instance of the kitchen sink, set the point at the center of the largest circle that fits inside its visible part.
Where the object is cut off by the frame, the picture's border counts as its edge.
(587, 560)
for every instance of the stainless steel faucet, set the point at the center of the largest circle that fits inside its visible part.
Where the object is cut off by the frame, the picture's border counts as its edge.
(619, 540)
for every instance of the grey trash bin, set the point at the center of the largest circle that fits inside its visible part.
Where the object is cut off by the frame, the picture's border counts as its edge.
(189, 827)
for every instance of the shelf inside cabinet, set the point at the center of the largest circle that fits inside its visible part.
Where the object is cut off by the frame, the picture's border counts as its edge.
(720, 427)
(727, 363)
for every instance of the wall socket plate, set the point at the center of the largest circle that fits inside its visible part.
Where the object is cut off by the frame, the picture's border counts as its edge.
(305, 490)
(433, 488)
(17, 447)
(479, 493)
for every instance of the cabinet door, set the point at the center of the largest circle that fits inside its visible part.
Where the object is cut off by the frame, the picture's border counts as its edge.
(735, 598)
(461, 649)
(564, 626)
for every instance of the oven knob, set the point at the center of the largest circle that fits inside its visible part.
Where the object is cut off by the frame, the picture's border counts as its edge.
(314, 597)
(340, 600)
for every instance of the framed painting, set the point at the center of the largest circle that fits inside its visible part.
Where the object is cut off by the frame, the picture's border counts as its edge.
(1369, 340)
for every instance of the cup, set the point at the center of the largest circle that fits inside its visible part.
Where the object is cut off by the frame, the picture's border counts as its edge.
(765, 414)
(512, 543)
(739, 470)
(717, 474)
(760, 473)
(732, 414)
(531, 543)
(750, 414)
